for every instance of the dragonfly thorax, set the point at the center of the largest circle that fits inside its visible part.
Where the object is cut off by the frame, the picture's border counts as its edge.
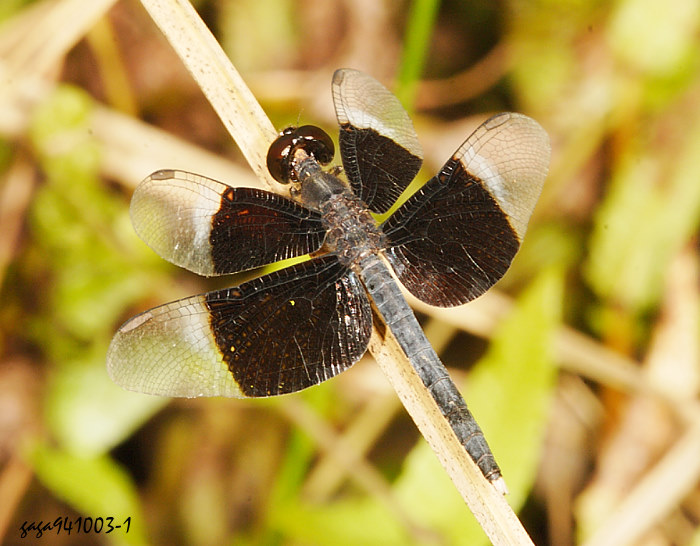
(353, 233)
(316, 186)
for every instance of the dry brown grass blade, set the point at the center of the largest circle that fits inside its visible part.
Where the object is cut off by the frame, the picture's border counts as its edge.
(33, 45)
(40, 37)
(655, 495)
(220, 82)
(253, 132)
(149, 148)
(15, 197)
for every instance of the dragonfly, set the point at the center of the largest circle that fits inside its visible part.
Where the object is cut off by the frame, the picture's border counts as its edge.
(299, 326)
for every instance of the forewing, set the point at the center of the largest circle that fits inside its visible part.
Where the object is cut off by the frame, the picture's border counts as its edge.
(379, 147)
(213, 229)
(456, 236)
(276, 334)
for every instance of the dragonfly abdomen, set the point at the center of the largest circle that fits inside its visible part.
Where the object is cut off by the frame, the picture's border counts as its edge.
(403, 324)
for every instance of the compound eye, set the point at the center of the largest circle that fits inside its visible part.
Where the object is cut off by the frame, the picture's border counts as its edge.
(316, 143)
(313, 140)
(279, 156)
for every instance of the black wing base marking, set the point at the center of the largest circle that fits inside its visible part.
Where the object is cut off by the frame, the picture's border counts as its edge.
(451, 241)
(379, 170)
(380, 150)
(255, 227)
(276, 334)
(457, 236)
(211, 228)
(293, 328)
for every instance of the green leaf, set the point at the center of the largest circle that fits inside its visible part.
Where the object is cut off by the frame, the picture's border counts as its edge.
(273, 42)
(651, 210)
(669, 30)
(430, 498)
(347, 522)
(61, 135)
(419, 30)
(93, 486)
(87, 413)
(509, 390)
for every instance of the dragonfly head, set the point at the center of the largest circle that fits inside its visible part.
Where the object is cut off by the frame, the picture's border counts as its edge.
(283, 156)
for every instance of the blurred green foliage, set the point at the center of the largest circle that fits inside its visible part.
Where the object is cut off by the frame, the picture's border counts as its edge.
(87, 248)
(93, 485)
(82, 266)
(419, 28)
